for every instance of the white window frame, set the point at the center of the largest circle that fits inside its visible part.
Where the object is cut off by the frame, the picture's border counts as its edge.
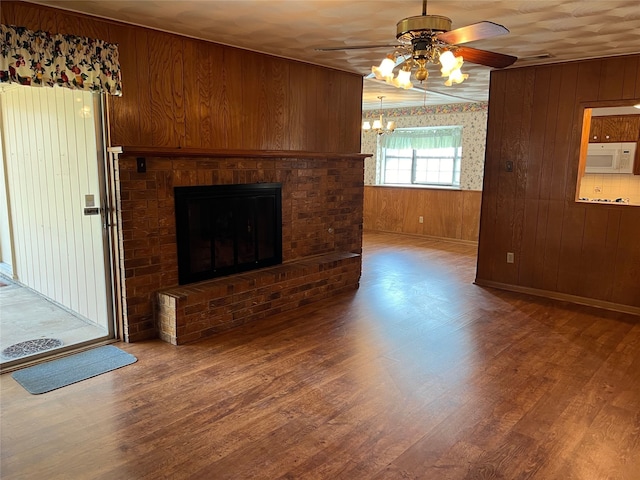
(415, 140)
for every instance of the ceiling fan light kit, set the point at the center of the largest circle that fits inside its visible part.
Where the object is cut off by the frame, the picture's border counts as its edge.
(429, 39)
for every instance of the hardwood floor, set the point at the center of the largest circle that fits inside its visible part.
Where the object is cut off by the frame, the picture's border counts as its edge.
(419, 374)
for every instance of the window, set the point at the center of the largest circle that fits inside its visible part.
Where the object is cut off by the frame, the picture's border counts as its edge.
(422, 156)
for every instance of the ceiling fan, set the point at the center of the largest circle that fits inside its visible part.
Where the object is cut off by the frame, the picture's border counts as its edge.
(427, 39)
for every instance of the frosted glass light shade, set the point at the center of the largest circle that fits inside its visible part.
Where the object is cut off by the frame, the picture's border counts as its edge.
(366, 125)
(456, 76)
(377, 124)
(449, 63)
(403, 80)
(385, 70)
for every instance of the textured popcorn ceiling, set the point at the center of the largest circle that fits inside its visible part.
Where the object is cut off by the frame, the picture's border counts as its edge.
(563, 29)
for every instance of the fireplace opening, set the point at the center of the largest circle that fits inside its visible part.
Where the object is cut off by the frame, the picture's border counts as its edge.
(226, 229)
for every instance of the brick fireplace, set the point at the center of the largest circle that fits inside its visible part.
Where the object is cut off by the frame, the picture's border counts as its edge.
(322, 198)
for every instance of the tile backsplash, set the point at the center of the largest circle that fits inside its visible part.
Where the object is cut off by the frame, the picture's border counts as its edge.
(610, 187)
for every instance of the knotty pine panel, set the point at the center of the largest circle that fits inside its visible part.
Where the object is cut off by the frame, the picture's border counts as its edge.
(564, 247)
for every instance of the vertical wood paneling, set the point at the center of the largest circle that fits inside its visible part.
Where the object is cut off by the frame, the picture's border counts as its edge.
(299, 98)
(49, 20)
(554, 175)
(489, 214)
(572, 227)
(25, 15)
(256, 101)
(55, 22)
(233, 117)
(471, 204)
(535, 142)
(167, 95)
(8, 13)
(626, 280)
(213, 96)
(578, 249)
(198, 73)
(506, 190)
(452, 214)
(277, 93)
(576, 227)
(613, 79)
(141, 76)
(412, 205)
(255, 105)
(631, 77)
(50, 141)
(317, 121)
(126, 111)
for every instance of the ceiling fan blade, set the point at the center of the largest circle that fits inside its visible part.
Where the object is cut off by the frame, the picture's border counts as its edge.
(470, 33)
(484, 57)
(358, 47)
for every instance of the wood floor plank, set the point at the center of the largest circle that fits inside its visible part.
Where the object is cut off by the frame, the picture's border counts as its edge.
(419, 374)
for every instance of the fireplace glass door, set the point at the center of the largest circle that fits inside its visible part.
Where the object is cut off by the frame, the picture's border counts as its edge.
(225, 229)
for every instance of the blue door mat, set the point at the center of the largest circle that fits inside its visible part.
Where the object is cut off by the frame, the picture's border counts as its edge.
(61, 372)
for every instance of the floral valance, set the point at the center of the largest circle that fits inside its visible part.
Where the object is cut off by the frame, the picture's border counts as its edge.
(47, 59)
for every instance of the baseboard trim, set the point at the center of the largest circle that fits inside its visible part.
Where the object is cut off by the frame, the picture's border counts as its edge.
(426, 237)
(590, 302)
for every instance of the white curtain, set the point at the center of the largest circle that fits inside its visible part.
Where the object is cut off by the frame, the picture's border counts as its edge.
(423, 138)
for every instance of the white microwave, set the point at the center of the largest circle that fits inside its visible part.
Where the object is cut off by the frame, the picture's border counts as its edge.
(610, 157)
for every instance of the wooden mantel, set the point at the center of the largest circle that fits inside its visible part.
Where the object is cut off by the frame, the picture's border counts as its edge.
(138, 151)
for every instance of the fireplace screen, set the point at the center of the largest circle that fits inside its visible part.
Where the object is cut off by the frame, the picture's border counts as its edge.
(225, 229)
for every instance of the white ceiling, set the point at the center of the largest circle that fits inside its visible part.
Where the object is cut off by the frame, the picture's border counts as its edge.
(563, 29)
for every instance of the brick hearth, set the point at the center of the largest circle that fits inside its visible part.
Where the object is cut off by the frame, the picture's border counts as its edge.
(321, 216)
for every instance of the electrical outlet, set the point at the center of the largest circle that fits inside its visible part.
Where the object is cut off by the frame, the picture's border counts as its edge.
(510, 257)
(420, 219)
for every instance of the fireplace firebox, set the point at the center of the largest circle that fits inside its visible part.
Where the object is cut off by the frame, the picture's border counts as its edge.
(226, 229)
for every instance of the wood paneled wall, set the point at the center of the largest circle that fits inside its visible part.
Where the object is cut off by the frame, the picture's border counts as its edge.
(585, 250)
(180, 92)
(451, 214)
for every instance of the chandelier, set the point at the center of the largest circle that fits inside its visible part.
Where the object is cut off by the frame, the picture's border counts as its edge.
(419, 46)
(378, 124)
